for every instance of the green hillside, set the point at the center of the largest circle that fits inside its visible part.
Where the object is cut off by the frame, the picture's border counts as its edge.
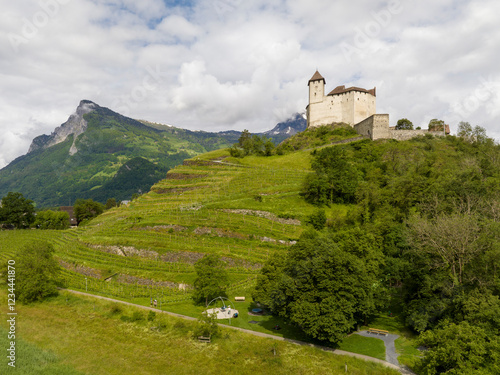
(384, 201)
(244, 209)
(52, 177)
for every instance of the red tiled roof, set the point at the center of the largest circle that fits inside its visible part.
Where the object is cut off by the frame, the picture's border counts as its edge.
(341, 90)
(316, 77)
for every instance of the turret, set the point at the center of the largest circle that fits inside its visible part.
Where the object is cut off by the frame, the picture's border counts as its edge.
(316, 88)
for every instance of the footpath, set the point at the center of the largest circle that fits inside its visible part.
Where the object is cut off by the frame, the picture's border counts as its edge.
(261, 334)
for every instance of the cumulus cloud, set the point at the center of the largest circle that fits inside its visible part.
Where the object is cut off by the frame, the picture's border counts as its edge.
(234, 64)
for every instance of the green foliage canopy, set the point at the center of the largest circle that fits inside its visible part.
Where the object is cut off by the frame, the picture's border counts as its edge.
(211, 279)
(37, 272)
(86, 209)
(325, 285)
(459, 349)
(335, 178)
(249, 144)
(51, 220)
(404, 124)
(17, 211)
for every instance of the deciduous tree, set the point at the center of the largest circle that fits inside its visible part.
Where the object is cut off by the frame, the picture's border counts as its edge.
(16, 210)
(37, 272)
(86, 209)
(325, 285)
(211, 279)
(436, 125)
(404, 124)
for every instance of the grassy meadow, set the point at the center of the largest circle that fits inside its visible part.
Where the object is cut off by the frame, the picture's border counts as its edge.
(78, 335)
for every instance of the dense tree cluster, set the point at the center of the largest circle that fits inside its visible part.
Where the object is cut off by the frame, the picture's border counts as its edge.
(325, 284)
(249, 144)
(432, 208)
(51, 220)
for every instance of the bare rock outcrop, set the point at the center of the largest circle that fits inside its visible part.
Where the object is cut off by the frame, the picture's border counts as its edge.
(75, 125)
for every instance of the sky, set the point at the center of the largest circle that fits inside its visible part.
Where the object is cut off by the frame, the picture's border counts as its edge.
(236, 64)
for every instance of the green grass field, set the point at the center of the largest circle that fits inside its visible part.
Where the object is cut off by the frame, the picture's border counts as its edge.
(80, 335)
(369, 346)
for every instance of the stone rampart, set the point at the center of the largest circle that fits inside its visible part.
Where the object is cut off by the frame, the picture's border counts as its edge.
(374, 127)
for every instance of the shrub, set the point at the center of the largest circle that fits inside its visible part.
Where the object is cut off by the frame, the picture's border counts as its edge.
(151, 316)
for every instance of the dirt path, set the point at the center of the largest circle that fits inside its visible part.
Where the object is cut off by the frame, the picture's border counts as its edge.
(260, 334)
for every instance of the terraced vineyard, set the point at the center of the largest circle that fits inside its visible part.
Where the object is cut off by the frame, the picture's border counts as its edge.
(243, 209)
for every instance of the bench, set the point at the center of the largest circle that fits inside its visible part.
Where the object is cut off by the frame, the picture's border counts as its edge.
(239, 299)
(378, 331)
(204, 339)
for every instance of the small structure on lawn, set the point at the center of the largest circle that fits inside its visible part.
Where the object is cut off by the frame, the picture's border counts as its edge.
(222, 308)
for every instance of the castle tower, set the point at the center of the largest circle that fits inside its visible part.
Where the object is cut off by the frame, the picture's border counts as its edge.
(316, 88)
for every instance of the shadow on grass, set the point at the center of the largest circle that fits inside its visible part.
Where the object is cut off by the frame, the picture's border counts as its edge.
(270, 323)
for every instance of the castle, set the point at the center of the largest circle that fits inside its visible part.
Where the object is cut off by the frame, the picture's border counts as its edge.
(351, 105)
(354, 106)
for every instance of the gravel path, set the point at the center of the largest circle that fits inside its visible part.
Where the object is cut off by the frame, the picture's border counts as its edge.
(390, 349)
(261, 334)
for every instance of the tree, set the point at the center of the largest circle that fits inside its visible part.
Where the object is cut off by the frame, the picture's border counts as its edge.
(404, 124)
(211, 279)
(460, 349)
(325, 284)
(206, 326)
(268, 147)
(436, 125)
(86, 209)
(110, 203)
(317, 219)
(51, 220)
(464, 130)
(36, 272)
(453, 241)
(450, 255)
(17, 211)
(471, 134)
(245, 142)
(335, 179)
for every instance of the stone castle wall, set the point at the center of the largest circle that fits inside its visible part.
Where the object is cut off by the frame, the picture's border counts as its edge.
(377, 127)
(374, 127)
(404, 135)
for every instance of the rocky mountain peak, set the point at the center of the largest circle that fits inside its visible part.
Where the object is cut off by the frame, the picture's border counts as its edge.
(75, 125)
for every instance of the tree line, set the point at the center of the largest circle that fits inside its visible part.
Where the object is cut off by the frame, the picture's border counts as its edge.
(19, 212)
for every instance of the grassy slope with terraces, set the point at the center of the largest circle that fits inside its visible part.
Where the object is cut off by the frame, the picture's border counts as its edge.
(243, 209)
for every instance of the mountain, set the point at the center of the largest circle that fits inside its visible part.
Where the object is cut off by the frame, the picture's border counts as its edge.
(100, 154)
(286, 129)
